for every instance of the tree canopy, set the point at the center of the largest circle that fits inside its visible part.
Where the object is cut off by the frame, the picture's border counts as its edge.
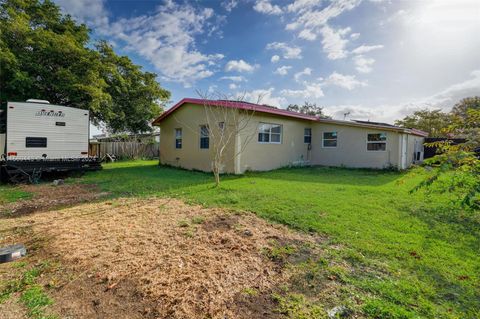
(308, 108)
(47, 55)
(461, 108)
(434, 122)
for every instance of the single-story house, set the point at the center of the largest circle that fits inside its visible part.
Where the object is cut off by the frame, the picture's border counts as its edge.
(271, 138)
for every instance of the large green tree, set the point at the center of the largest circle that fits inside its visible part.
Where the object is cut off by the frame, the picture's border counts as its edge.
(135, 95)
(435, 122)
(47, 55)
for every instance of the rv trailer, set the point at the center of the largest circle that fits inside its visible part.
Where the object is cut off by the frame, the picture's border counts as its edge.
(37, 137)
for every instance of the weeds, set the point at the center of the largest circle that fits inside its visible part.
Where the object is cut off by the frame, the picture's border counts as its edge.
(32, 294)
(198, 220)
(250, 291)
(297, 307)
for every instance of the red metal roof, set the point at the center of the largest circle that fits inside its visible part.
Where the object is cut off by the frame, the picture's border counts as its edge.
(280, 112)
(237, 105)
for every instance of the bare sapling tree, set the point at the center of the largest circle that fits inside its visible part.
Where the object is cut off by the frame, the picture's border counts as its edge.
(227, 128)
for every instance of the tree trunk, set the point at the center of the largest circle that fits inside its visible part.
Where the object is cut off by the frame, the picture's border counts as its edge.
(216, 173)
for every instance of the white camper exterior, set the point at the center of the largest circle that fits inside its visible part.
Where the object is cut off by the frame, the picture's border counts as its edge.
(37, 137)
(46, 131)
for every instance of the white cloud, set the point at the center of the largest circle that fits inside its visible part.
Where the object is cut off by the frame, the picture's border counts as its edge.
(354, 36)
(302, 5)
(315, 19)
(264, 6)
(366, 48)
(275, 59)
(334, 42)
(348, 82)
(298, 75)
(312, 20)
(363, 64)
(289, 52)
(353, 112)
(444, 99)
(91, 12)
(283, 70)
(229, 5)
(240, 66)
(454, 93)
(310, 91)
(165, 37)
(235, 78)
(212, 89)
(263, 97)
(232, 86)
(307, 34)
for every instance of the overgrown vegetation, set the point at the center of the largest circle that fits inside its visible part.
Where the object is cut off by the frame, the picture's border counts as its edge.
(438, 123)
(32, 295)
(457, 167)
(398, 255)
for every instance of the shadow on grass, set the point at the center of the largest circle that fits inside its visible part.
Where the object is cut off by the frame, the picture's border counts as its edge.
(332, 175)
(148, 180)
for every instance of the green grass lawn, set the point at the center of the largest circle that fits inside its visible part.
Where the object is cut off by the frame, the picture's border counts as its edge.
(10, 193)
(416, 256)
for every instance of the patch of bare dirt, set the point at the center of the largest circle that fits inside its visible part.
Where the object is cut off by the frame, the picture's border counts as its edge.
(161, 258)
(47, 196)
(11, 309)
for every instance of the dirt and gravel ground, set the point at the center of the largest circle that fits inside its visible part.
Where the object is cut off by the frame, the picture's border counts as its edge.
(149, 258)
(47, 197)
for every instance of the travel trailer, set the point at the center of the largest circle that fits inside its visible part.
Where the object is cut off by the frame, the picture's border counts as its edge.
(37, 137)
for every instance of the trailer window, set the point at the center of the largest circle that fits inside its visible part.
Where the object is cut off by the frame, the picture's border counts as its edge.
(60, 123)
(35, 142)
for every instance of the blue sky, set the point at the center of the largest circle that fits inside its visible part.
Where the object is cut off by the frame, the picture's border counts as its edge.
(378, 60)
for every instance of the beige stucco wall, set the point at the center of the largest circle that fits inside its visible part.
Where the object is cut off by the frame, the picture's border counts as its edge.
(351, 150)
(264, 156)
(189, 118)
(244, 152)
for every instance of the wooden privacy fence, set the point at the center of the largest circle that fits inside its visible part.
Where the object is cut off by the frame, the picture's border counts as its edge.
(125, 149)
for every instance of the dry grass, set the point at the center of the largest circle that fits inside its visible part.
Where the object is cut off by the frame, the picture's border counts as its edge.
(150, 258)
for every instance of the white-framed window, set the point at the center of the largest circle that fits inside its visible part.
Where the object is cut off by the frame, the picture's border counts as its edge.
(270, 133)
(376, 142)
(307, 135)
(329, 139)
(221, 126)
(178, 138)
(204, 137)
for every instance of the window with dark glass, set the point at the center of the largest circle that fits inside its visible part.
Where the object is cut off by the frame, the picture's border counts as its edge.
(178, 138)
(270, 133)
(204, 137)
(376, 142)
(36, 142)
(307, 135)
(329, 139)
